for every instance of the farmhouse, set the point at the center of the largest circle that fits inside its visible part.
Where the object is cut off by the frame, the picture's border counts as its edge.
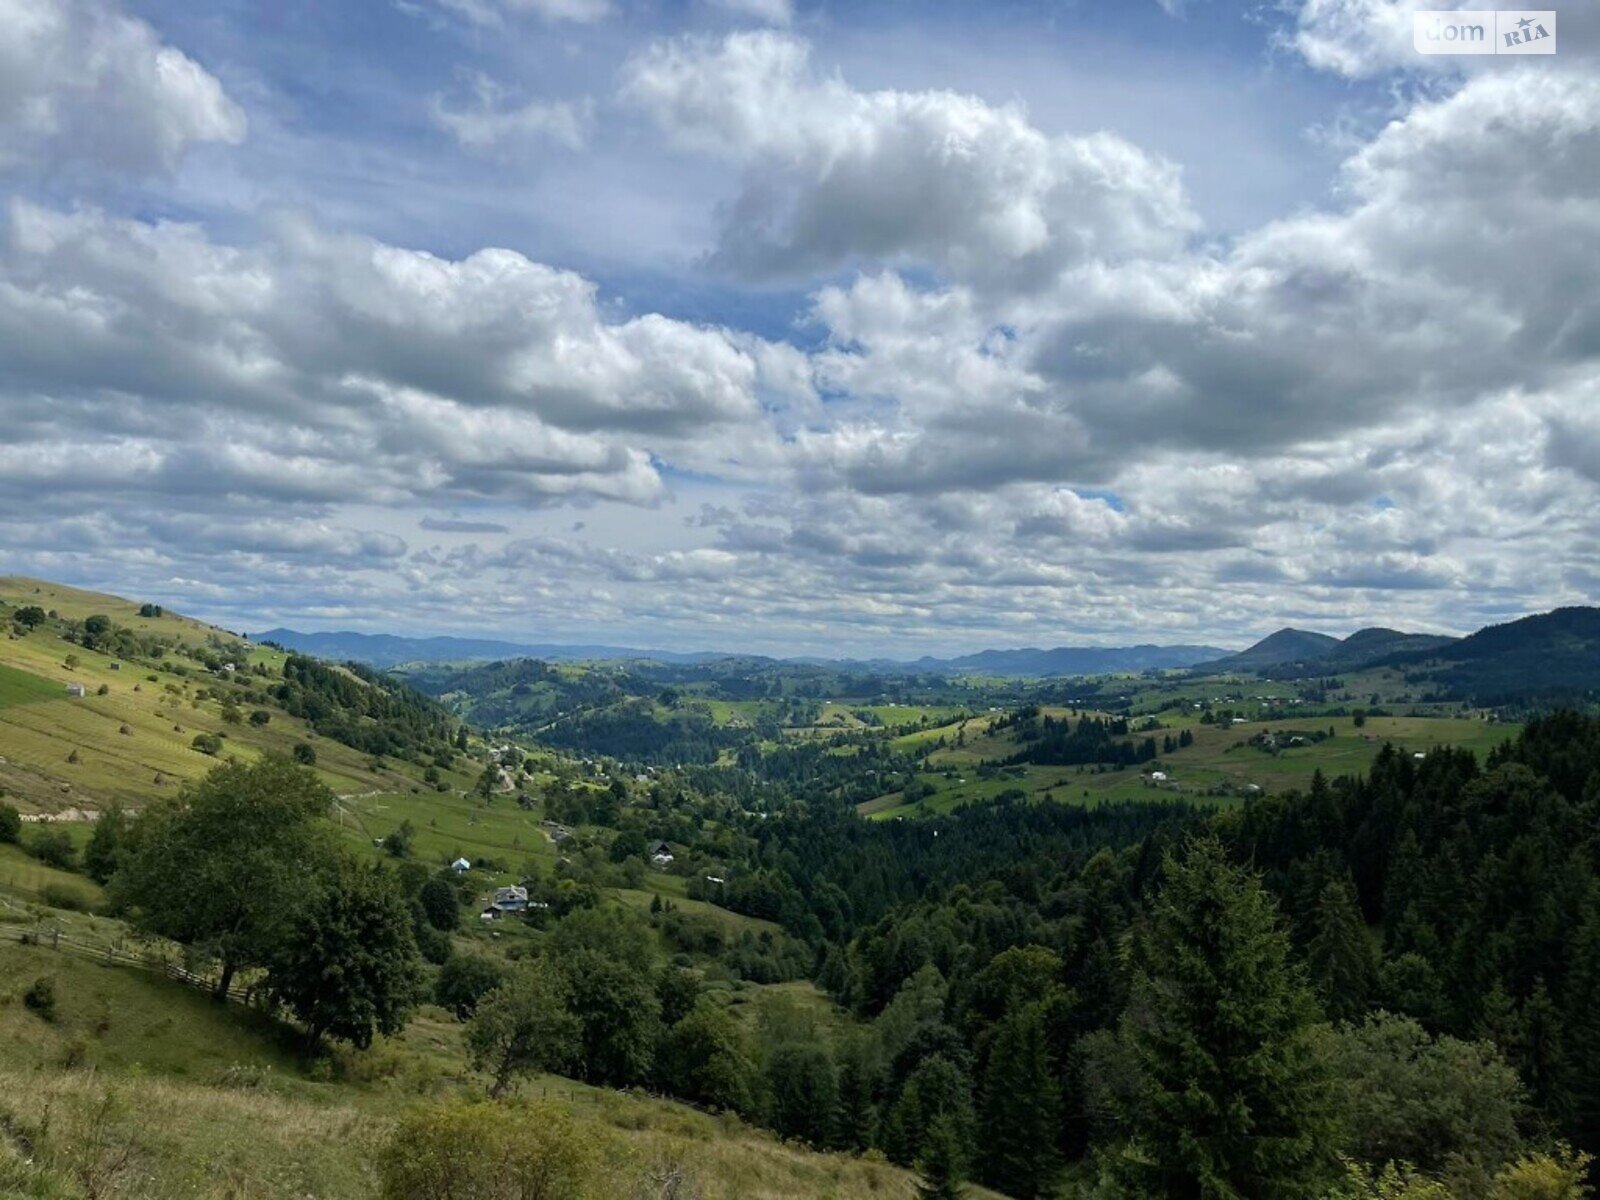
(75, 690)
(461, 866)
(510, 899)
(1158, 776)
(660, 853)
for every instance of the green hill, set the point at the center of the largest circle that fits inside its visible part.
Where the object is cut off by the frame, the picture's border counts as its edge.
(1552, 656)
(1286, 645)
(154, 681)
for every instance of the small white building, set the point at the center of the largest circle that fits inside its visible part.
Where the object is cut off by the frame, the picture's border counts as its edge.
(461, 866)
(75, 690)
(1158, 776)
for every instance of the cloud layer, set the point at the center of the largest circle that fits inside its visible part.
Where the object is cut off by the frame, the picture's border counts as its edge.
(1008, 386)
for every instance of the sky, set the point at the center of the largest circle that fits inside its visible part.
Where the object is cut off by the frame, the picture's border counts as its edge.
(913, 327)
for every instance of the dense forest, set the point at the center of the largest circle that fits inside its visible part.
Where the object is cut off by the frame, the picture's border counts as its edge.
(1063, 741)
(353, 704)
(1432, 928)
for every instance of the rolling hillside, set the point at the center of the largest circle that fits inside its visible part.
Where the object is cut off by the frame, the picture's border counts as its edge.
(151, 685)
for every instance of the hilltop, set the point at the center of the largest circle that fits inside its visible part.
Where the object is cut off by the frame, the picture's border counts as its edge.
(164, 696)
(1286, 645)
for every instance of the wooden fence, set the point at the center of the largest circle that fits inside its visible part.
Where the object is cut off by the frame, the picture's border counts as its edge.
(154, 958)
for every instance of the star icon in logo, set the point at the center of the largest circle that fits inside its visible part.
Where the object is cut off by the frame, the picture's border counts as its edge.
(1524, 23)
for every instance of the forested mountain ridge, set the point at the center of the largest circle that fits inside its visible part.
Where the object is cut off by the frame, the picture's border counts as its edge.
(392, 650)
(1552, 656)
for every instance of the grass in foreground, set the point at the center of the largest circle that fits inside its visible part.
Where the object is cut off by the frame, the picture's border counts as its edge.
(143, 1088)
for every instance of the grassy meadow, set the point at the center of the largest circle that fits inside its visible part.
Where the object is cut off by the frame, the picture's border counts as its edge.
(1220, 758)
(135, 741)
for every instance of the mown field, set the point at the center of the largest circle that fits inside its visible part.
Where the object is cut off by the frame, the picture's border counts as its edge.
(143, 728)
(1219, 758)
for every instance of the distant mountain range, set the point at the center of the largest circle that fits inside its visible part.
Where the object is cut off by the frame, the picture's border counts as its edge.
(1066, 660)
(387, 650)
(1291, 653)
(1550, 655)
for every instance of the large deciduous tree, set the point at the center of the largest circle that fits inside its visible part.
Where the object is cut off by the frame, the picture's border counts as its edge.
(225, 866)
(347, 964)
(524, 1025)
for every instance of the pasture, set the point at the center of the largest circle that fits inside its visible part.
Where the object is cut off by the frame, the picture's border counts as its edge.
(1221, 758)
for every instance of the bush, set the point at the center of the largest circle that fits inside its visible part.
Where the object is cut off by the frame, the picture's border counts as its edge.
(54, 848)
(207, 743)
(1557, 1176)
(59, 895)
(464, 980)
(10, 824)
(40, 998)
(304, 754)
(490, 1152)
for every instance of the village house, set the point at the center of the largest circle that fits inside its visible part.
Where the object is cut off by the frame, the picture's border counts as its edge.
(660, 853)
(461, 866)
(510, 899)
(76, 690)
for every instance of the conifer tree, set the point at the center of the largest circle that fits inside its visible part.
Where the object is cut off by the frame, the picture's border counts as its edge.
(1582, 1027)
(1340, 953)
(1232, 1100)
(1021, 1110)
(942, 1163)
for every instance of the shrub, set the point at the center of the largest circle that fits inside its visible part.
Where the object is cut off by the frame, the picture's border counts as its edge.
(305, 755)
(40, 998)
(1558, 1176)
(489, 1152)
(246, 1077)
(10, 824)
(59, 895)
(207, 743)
(54, 848)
